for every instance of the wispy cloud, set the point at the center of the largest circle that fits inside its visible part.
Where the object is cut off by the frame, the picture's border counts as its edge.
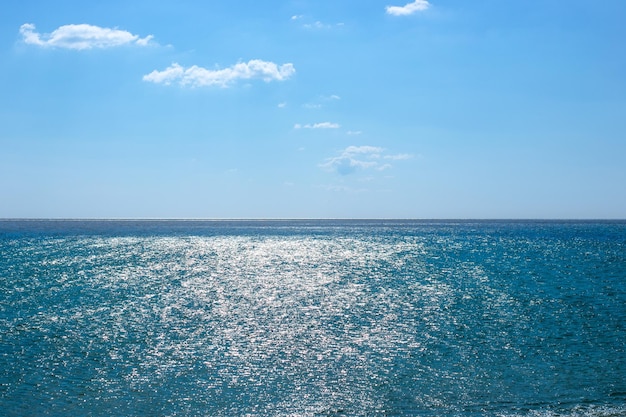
(316, 25)
(355, 158)
(408, 9)
(399, 157)
(82, 36)
(308, 23)
(196, 76)
(323, 125)
(317, 103)
(320, 25)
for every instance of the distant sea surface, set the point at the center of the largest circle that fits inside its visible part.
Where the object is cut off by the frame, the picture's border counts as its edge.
(312, 318)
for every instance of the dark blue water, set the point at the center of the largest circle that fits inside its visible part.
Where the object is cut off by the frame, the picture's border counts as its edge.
(312, 318)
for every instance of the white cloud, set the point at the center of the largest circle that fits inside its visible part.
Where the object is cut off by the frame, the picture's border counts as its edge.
(355, 158)
(323, 125)
(408, 9)
(81, 37)
(353, 132)
(326, 125)
(282, 105)
(196, 76)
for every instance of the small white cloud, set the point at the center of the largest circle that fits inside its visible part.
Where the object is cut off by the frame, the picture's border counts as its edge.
(408, 9)
(196, 76)
(353, 132)
(282, 105)
(172, 73)
(323, 125)
(82, 36)
(355, 158)
(297, 17)
(326, 125)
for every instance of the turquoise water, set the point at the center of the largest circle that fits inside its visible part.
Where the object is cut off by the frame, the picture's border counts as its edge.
(312, 318)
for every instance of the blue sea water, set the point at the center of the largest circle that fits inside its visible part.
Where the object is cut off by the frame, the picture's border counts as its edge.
(312, 318)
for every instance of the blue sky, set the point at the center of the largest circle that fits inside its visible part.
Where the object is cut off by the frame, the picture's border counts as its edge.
(315, 109)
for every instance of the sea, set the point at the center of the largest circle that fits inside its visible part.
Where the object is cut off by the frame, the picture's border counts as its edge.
(312, 318)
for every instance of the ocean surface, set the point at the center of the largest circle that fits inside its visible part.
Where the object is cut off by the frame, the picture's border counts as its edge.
(312, 318)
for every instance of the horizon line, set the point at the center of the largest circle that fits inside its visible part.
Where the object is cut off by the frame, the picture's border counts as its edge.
(216, 219)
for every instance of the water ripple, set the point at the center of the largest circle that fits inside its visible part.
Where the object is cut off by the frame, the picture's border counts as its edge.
(365, 322)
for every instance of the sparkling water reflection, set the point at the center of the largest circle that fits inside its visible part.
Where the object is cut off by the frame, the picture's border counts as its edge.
(305, 319)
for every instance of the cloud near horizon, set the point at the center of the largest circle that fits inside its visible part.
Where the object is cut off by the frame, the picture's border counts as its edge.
(408, 9)
(196, 76)
(81, 37)
(364, 157)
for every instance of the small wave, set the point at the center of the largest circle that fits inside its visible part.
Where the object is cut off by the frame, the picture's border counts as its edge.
(576, 411)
